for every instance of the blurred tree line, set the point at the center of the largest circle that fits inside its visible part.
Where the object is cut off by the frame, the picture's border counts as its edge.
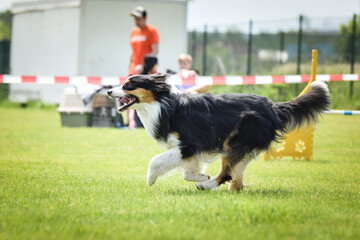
(227, 52)
(5, 25)
(5, 36)
(343, 42)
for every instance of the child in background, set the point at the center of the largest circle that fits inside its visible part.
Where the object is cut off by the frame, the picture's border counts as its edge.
(186, 71)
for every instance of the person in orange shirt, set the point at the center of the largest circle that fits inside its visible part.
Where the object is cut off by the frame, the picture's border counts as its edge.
(144, 40)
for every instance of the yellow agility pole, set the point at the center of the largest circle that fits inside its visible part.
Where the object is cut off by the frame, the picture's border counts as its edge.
(298, 143)
(313, 71)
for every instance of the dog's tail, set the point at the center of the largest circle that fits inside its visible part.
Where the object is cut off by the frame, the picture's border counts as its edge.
(305, 108)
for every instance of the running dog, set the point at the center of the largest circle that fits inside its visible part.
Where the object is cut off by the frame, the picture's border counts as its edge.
(196, 128)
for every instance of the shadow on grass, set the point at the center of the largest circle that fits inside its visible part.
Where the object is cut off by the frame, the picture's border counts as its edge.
(276, 193)
(252, 191)
(301, 161)
(321, 161)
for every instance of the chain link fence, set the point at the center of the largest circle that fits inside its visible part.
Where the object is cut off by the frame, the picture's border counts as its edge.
(277, 47)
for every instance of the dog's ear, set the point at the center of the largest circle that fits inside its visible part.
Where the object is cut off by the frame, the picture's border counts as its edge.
(160, 84)
(159, 77)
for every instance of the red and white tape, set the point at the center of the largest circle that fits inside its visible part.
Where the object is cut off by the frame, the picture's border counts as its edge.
(199, 80)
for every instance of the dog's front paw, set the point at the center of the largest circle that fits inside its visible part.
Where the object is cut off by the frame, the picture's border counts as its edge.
(153, 174)
(151, 177)
(199, 186)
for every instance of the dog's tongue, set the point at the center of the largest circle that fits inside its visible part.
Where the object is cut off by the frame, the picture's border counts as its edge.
(125, 100)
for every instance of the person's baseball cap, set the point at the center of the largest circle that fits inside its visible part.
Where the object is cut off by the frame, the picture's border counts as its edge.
(139, 11)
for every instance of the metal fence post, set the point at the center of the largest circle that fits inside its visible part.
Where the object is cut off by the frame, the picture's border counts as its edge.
(352, 54)
(282, 45)
(4, 57)
(204, 51)
(248, 72)
(193, 46)
(300, 35)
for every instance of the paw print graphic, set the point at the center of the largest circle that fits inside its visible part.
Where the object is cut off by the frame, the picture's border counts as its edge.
(279, 146)
(300, 146)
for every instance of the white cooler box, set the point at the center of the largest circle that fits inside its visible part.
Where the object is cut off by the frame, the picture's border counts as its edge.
(73, 111)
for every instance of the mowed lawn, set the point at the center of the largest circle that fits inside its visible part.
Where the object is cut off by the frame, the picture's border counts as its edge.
(90, 183)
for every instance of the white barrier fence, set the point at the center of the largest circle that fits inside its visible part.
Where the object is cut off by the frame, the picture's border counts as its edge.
(199, 80)
(342, 112)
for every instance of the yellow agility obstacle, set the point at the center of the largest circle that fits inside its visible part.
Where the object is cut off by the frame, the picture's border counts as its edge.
(298, 143)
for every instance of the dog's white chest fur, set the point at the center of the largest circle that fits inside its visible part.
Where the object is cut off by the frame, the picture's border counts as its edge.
(172, 141)
(149, 114)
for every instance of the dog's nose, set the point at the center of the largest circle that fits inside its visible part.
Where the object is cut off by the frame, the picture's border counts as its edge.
(109, 92)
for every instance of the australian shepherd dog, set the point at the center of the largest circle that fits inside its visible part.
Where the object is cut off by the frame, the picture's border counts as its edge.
(196, 128)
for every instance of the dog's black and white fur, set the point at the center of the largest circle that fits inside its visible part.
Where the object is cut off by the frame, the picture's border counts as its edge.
(195, 128)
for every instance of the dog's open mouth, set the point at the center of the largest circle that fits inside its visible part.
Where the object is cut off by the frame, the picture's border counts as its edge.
(126, 102)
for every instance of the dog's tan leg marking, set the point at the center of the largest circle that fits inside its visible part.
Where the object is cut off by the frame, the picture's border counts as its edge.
(237, 174)
(162, 163)
(226, 164)
(215, 182)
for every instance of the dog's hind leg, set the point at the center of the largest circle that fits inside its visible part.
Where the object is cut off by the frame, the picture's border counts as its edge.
(233, 153)
(193, 170)
(237, 174)
(224, 175)
(162, 163)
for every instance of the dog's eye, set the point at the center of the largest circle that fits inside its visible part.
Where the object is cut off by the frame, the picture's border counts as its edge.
(129, 86)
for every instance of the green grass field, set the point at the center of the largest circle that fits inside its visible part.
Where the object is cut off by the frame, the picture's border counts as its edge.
(90, 183)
